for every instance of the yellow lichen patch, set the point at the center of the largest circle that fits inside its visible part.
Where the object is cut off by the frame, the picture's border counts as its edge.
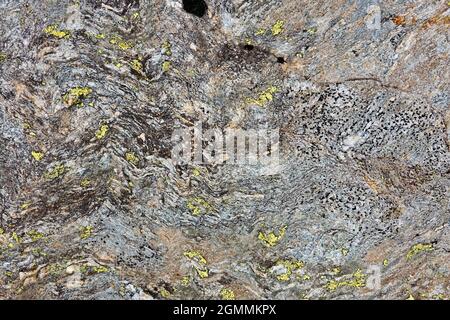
(85, 183)
(344, 251)
(166, 66)
(167, 48)
(289, 266)
(35, 235)
(3, 56)
(198, 206)
(54, 31)
(195, 256)
(164, 293)
(16, 238)
(37, 155)
(185, 281)
(100, 269)
(86, 232)
(271, 239)
(100, 36)
(56, 172)
(417, 248)
(227, 294)
(278, 27)
(202, 273)
(385, 262)
(260, 32)
(132, 158)
(264, 97)
(2, 231)
(25, 205)
(75, 96)
(120, 43)
(136, 65)
(357, 280)
(102, 131)
(196, 172)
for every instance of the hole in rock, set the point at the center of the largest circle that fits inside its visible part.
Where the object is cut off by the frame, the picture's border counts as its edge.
(281, 60)
(249, 47)
(195, 7)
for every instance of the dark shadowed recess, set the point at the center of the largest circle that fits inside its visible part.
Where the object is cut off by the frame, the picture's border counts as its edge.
(196, 7)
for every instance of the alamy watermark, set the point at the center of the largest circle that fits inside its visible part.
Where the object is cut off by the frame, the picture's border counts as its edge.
(194, 145)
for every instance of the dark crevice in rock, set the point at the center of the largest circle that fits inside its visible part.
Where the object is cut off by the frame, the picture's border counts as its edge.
(196, 7)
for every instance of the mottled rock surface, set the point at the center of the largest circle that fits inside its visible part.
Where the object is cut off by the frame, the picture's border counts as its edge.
(93, 207)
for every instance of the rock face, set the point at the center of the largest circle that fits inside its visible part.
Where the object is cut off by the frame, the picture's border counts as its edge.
(93, 205)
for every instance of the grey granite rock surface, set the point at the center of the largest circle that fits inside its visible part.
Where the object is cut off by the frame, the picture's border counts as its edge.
(92, 205)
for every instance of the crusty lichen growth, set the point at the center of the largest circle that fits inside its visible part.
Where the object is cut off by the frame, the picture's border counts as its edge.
(120, 43)
(102, 131)
(3, 56)
(164, 293)
(264, 97)
(86, 232)
(56, 172)
(132, 158)
(166, 66)
(358, 280)
(417, 248)
(54, 31)
(271, 239)
(227, 294)
(278, 28)
(167, 48)
(198, 206)
(37, 155)
(197, 257)
(85, 182)
(35, 235)
(75, 96)
(136, 65)
(289, 266)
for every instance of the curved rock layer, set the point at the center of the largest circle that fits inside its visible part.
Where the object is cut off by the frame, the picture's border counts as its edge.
(92, 205)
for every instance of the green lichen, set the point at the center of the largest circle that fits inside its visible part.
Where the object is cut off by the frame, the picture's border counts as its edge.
(86, 232)
(132, 158)
(278, 27)
(3, 57)
(198, 206)
(25, 205)
(227, 294)
(417, 248)
(289, 266)
(264, 97)
(35, 235)
(100, 269)
(271, 239)
(56, 172)
(54, 31)
(102, 131)
(75, 96)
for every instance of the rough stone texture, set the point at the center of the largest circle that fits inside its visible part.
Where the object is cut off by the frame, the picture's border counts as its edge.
(363, 181)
